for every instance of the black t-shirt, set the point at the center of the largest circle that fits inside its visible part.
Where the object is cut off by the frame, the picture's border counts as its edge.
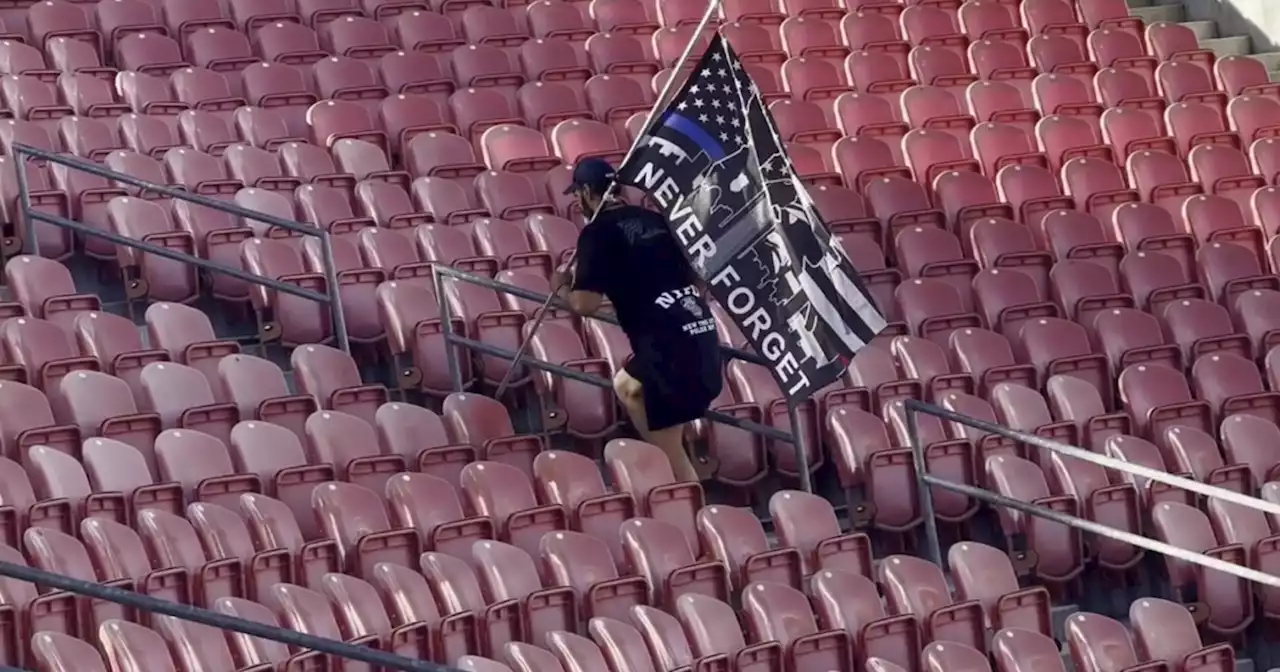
(629, 254)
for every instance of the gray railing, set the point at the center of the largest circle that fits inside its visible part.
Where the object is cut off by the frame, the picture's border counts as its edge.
(147, 603)
(445, 274)
(29, 217)
(925, 479)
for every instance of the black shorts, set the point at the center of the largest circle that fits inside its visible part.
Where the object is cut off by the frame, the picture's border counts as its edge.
(672, 401)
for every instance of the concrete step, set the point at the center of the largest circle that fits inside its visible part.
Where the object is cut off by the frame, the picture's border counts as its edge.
(1236, 45)
(1271, 59)
(1154, 13)
(1205, 30)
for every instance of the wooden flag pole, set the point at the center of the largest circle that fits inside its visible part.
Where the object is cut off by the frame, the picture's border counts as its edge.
(670, 85)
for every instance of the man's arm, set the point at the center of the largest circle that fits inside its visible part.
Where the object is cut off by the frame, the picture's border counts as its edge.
(584, 284)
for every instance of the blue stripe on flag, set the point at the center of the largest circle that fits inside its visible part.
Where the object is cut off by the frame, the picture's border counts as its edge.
(695, 132)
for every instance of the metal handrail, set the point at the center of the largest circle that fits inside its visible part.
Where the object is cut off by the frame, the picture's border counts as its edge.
(926, 498)
(443, 273)
(214, 619)
(30, 216)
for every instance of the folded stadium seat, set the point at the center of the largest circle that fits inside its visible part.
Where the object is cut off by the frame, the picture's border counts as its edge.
(475, 110)
(997, 145)
(814, 79)
(1088, 634)
(150, 136)
(1264, 156)
(1012, 647)
(865, 160)
(381, 248)
(935, 108)
(1116, 506)
(850, 603)
(310, 613)
(350, 444)
(1061, 55)
(1068, 97)
(1201, 327)
(420, 436)
(183, 398)
(985, 574)
(545, 104)
(574, 483)
(478, 308)
(511, 196)
(999, 60)
(1166, 633)
(409, 600)
(988, 358)
(1231, 270)
(207, 90)
(300, 320)
(201, 463)
(864, 115)
(258, 651)
(273, 526)
(221, 50)
(661, 632)
(644, 472)
(507, 242)
(1003, 103)
(1226, 173)
(1006, 297)
(121, 478)
(752, 384)
(281, 88)
(1156, 279)
(360, 613)
(659, 552)
(1024, 409)
(1185, 82)
(1232, 385)
(933, 309)
(926, 361)
(808, 524)
(1237, 524)
(172, 543)
(1128, 130)
(254, 166)
(620, 52)
(1033, 191)
(224, 535)
(1150, 228)
(26, 419)
(550, 19)
(1158, 397)
(45, 289)
(356, 518)
(714, 632)
(1129, 89)
(552, 60)
(462, 601)
(258, 388)
(481, 664)
(342, 78)
(1196, 454)
(430, 506)
(1097, 186)
(411, 319)
(985, 444)
(1246, 441)
(207, 132)
(900, 203)
(931, 153)
(119, 554)
(149, 53)
(131, 645)
(1051, 17)
(1057, 550)
(158, 278)
(573, 139)
(205, 173)
(733, 536)
(115, 342)
(623, 646)
(1193, 124)
(443, 155)
(88, 95)
(102, 405)
(1259, 326)
(1225, 595)
(404, 115)
(447, 201)
(1239, 77)
(1121, 49)
(945, 68)
(909, 584)
(508, 576)
(59, 652)
(999, 242)
(51, 504)
(591, 412)
(328, 207)
(1064, 138)
(194, 644)
(482, 65)
(504, 494)
(481, 25)
(1083, 292)
(88, 138)
(1128, 336)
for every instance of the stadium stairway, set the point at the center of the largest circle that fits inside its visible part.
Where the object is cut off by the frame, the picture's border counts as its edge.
(1151, 11)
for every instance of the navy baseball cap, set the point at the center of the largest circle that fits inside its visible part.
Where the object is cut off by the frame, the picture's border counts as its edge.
(592, 172)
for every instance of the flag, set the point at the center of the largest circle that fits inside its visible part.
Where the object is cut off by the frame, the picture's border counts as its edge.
(714, 164)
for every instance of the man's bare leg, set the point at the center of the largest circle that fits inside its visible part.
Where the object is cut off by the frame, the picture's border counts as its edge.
(670, 440)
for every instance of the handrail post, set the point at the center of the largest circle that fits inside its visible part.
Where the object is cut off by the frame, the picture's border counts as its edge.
(28, 223)
(336, 311)
(800, 446)
(446, 324)
(924, 491)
